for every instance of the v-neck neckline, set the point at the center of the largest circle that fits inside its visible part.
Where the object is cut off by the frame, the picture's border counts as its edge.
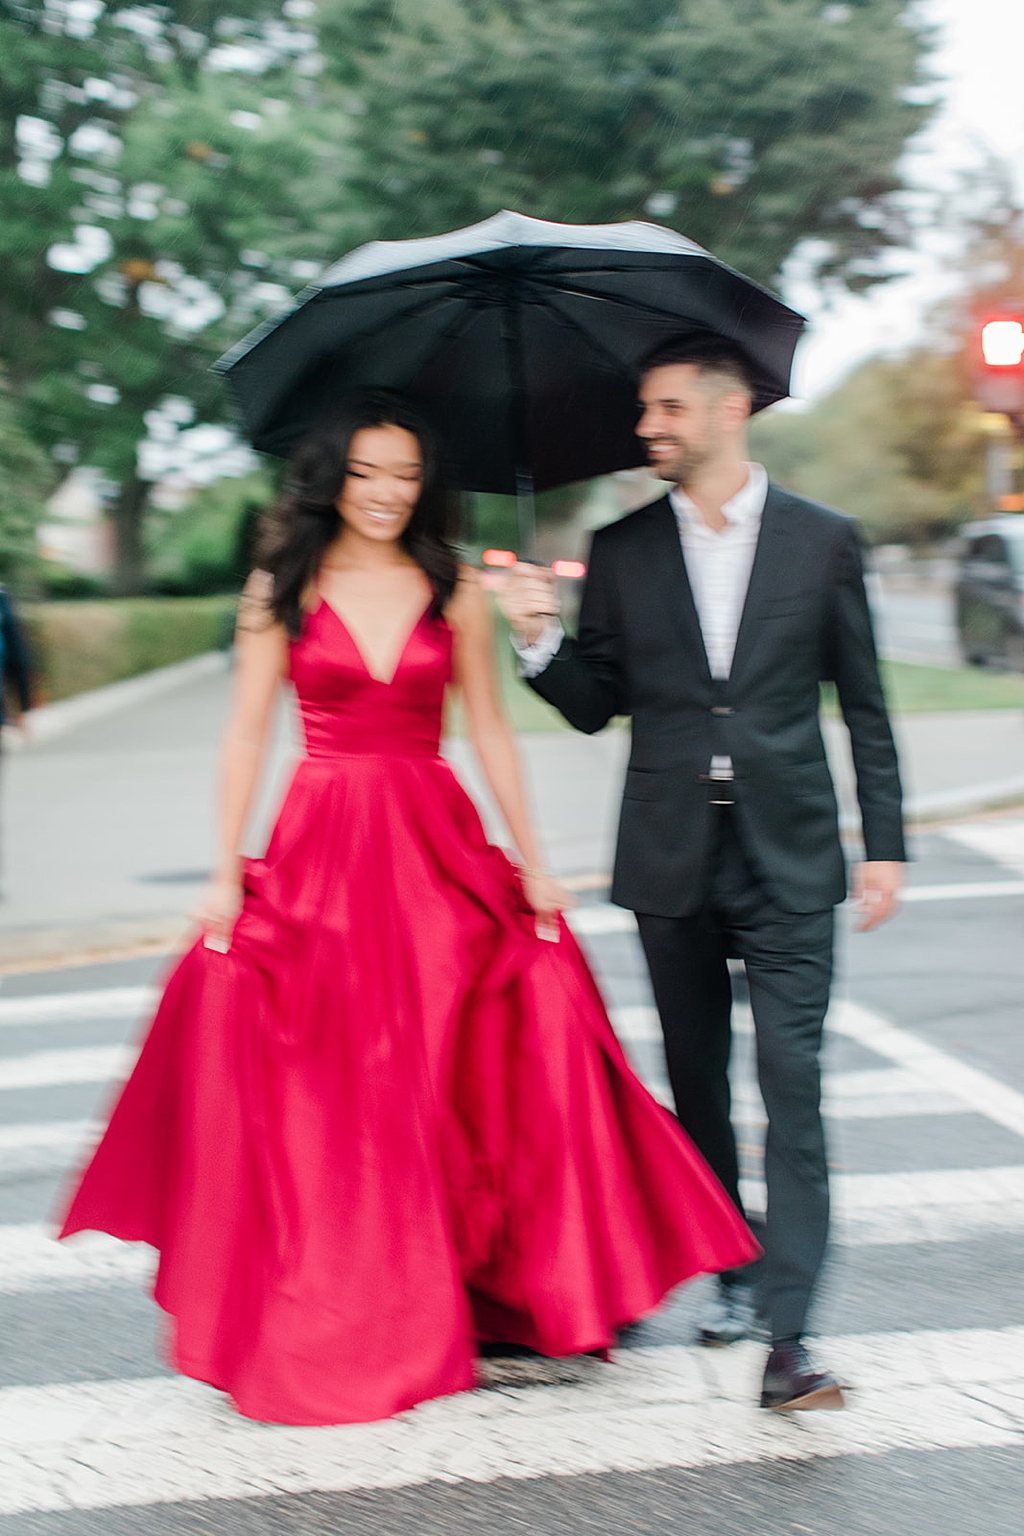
(383, 682)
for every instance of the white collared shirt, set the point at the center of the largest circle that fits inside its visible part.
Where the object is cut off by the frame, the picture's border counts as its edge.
(718, 566)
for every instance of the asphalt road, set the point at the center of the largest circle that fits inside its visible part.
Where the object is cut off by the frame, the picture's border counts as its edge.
(922, 1305)
(916, 624)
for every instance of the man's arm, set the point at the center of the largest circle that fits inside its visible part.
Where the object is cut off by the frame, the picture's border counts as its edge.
(853, 665)
(582, 678)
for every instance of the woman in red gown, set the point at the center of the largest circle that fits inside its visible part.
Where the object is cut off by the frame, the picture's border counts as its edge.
(381, 1116)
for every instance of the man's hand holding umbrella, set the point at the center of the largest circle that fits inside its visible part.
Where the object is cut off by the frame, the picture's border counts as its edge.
(529, 601)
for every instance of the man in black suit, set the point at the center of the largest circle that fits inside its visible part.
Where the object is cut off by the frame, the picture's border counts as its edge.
(710, 617)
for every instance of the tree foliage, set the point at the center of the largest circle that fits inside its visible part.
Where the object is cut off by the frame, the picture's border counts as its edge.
(24, 477)
(898, 444)
(157, 206)
(747, 124)
(170, 174)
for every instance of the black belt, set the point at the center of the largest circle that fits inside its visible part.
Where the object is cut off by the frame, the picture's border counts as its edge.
(720, 791)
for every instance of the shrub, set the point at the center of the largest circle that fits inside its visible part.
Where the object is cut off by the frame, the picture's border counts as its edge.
(81, 645)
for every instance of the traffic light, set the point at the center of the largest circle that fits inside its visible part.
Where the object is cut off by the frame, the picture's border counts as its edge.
(999, 371)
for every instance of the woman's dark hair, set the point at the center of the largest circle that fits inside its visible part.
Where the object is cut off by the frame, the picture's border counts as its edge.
(298, 530)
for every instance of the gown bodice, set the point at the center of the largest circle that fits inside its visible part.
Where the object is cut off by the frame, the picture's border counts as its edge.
(346, 710)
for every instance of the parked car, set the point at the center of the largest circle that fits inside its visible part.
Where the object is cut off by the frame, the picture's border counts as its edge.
(990, 592)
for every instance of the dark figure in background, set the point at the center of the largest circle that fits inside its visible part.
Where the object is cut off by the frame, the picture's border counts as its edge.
(15, 668)
(14, 663)
(710, 617)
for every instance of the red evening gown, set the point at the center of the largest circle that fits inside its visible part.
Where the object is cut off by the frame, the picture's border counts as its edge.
(391, 1122)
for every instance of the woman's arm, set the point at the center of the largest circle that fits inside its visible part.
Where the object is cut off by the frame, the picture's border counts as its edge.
(261, 660)
(494, 744)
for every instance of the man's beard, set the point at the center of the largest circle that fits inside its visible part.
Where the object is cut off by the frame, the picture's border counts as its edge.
(683, 465)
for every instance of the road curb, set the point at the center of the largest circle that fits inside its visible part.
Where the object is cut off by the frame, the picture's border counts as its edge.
(52, 720)
(31, 949)
(945, 803)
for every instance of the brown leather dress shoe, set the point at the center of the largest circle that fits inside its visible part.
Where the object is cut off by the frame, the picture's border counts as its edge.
(792, 1383)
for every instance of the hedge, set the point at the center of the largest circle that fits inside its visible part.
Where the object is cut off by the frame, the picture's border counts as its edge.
(80, 645)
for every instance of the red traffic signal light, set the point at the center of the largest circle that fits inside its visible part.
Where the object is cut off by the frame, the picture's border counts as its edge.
(999, 373)
(1002, 343)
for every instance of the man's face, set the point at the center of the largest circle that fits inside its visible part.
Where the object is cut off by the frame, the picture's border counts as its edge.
(686, 419)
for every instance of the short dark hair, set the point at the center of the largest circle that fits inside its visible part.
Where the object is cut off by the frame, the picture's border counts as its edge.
(707, 353)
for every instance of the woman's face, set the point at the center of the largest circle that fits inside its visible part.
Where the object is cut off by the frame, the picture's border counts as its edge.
(383, 483)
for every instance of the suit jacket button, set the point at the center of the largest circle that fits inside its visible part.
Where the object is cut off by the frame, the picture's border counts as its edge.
(722, 709)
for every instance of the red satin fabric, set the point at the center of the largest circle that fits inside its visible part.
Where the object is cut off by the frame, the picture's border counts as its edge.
(391, 1121)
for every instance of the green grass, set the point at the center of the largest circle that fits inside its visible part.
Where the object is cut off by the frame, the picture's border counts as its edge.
(916, 690)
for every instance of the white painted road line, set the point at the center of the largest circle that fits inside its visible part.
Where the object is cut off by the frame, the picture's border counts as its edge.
(101, 1445)
(87, 1064)
(985, 1094)
(936, 1205)
(1002, 840)
(69, 1007)
(45, 1146)
(31, 1258)
(977, 890)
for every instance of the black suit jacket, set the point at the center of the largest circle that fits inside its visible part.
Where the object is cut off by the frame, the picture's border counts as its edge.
(640, 653)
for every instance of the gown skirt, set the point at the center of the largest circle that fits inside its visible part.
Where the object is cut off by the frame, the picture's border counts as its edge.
(390, 1122)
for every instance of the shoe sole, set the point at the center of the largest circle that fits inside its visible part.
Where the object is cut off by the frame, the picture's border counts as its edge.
(830, 1397)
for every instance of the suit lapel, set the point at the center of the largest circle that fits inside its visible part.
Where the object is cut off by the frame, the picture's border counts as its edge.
(668, 581)
(770, 559)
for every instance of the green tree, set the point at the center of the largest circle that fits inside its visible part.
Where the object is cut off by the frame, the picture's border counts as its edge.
(25, 478)
(159, 174)
(750, 125)
(898, 444)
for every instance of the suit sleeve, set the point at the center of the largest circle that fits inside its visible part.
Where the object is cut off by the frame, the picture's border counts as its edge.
(852, 664)
(583, 679)
(17, 667)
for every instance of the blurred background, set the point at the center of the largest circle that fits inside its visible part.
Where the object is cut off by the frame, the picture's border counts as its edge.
(171, 176)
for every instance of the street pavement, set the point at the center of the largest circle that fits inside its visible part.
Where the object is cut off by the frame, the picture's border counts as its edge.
(915, 620)
(108, 827)
(921, 1308)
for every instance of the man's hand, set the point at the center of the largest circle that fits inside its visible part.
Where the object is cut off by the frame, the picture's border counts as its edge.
(876, 891)
(528, 600)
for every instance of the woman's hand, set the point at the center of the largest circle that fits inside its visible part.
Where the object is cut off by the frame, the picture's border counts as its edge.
(548, 899)
(218, 910)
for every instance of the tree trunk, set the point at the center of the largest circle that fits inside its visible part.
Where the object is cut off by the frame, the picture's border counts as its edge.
(127, 516)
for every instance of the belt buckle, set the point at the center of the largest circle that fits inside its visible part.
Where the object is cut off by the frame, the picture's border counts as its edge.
(723, 786)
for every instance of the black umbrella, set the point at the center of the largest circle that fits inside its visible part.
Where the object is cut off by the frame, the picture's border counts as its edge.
(520, 338)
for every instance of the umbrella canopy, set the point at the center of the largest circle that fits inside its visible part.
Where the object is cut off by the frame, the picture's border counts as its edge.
(520, 339)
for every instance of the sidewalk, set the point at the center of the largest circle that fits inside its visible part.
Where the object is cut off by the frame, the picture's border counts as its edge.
(108, 826)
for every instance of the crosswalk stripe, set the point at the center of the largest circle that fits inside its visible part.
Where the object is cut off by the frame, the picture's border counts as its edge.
(85, 1064)
(101, 1445)
(68, 1007)
(985, 1094)
(936, 1205)
(44, 1146)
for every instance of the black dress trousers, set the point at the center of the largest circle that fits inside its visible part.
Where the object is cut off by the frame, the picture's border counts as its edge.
(788, 962)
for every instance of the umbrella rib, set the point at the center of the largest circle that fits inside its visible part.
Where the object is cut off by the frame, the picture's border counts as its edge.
(617, 362)
(638, 305)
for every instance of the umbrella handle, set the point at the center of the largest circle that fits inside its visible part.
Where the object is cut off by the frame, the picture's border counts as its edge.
(526, 515)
